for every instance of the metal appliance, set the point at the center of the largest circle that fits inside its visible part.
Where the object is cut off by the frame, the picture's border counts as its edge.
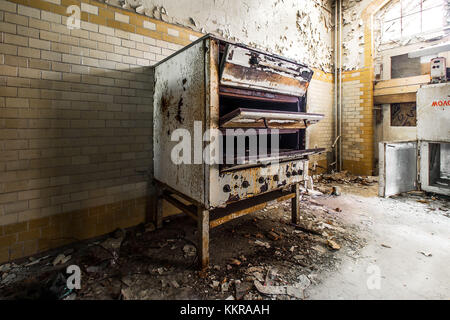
(216, 86)
(423, 163)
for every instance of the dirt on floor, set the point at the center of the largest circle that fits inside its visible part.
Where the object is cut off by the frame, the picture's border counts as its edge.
(259, 256)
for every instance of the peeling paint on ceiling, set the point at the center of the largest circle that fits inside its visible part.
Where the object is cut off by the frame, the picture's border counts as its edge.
(300, 30)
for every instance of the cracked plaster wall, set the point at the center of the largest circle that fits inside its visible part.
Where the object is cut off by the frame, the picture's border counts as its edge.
(300, 30)
(353, 34)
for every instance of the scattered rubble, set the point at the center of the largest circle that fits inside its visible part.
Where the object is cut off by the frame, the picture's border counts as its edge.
(263, 244)
(61, 259)
(333, 245)
(426, 254)
(148, 263)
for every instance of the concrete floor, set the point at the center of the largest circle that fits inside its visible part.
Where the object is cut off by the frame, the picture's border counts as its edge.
(395, 248)
(408, 227)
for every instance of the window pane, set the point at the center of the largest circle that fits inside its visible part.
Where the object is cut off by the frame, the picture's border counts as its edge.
(393, 12)
(433, 19)
(410, 6)
(391, 31)
(426, 4)
(411, 25)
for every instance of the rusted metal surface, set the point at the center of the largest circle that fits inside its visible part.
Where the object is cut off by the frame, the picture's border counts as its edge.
(256, 95)
(282, 157)
(245, 68)
(213, 105)
(159, 208)
(248, 182)
(245, 207)
(179, 100)
(203, 237)
(295, 204)
(190, 210)
(273, 119)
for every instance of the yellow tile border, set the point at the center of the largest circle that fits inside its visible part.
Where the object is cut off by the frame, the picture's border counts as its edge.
(81, 224)
(135, 25)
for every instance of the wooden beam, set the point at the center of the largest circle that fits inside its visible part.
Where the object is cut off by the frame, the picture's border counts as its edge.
(396, 90)
(399, 82)
(395, 98)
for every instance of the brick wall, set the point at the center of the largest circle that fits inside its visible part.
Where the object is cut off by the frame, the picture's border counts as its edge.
(357, 122)
(358, 114)
(76, 120)
(321, 135)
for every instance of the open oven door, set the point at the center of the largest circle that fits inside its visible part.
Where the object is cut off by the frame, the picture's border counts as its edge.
(271, 119)
(245, 68)
(398, 167)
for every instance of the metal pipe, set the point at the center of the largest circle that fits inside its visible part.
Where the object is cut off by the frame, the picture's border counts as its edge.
(335, 84)
(340, 84)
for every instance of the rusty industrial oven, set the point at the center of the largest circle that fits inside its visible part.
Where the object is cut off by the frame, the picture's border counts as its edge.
(212, 86)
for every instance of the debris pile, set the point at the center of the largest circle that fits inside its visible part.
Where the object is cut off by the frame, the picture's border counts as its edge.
(259, 256)
(344, 177)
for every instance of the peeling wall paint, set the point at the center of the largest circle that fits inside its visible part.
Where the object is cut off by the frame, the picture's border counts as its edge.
(353, 34)
(300, 30)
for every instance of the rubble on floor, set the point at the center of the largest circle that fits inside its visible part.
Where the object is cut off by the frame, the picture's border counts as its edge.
(259, 256)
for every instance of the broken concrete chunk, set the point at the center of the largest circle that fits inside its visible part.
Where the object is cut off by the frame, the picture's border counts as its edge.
(262, 244)
(6, 267)
(336, 191)
(160, 270)
(333, 245)
(269, 289)
(225, 286)
(258, 276)
(303, 282)
(61, 259)
(112, 243)
(8, 277)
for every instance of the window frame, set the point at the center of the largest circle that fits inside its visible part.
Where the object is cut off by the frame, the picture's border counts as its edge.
(402, 17)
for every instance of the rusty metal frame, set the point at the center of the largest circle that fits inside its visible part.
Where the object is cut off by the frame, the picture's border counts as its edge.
(222, 215)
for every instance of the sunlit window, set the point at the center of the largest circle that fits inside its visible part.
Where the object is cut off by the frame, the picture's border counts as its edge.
(406, 18)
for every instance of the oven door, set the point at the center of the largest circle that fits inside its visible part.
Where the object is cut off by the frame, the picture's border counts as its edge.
(245, 68)
(271, 119)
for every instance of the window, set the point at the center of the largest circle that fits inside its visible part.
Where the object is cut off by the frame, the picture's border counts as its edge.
(406, 18)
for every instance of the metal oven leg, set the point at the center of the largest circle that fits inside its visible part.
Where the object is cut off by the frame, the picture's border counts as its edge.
(203, 237)
(159, 207)
(295, 204)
